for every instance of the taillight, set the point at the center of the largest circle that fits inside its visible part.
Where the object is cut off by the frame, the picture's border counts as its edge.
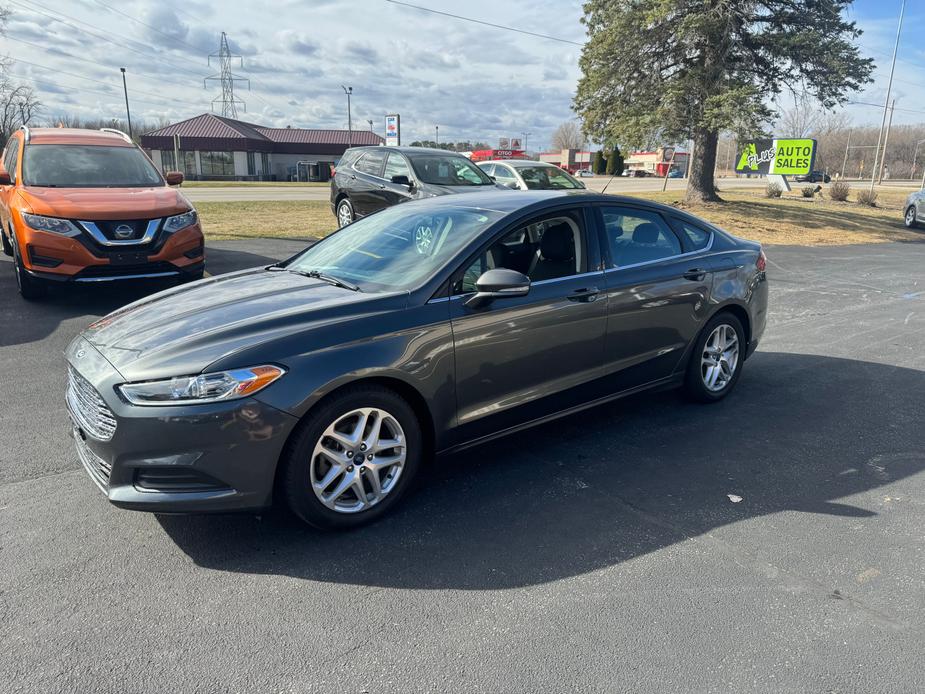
(762, 261)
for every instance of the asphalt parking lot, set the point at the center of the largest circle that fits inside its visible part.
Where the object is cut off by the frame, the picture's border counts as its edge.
(597, 553)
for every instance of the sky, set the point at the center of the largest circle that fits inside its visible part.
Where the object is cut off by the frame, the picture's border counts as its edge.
(475, 82)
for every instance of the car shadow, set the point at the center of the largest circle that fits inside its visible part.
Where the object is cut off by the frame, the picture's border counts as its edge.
(28, 321)
(610, 484)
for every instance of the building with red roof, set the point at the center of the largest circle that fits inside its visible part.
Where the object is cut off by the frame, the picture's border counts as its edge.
(212, 147)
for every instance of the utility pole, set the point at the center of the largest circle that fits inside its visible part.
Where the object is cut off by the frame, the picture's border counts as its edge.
(886, 142)
(437, 136)
(889, 88)
(526, 135)
(914, 154)
(227, 79)
(128, 114)
(349, 92)
(845, 162)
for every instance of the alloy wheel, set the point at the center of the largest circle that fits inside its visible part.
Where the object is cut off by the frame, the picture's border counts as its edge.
(720, 358)
(910, 216)
(344, 215)
(358, 460)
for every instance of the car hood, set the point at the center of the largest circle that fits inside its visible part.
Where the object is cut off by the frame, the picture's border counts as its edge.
(182, 330)
(105, 203)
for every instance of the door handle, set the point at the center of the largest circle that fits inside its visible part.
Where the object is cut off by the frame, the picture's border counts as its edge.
(695, 274)
(352, 177)
(586, 294)
(381, 186)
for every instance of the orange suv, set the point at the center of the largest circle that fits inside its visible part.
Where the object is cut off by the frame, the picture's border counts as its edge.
(89, 206)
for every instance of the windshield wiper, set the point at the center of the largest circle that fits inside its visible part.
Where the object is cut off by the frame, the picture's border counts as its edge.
(318, 275)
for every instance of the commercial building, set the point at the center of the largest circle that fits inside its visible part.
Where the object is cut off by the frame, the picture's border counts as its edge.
(658, 162)
(569, 159)
(211, 147)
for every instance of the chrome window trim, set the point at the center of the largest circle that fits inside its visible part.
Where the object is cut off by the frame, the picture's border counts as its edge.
(98, 236)
(532, 284)
(170, 273)
(705, 249)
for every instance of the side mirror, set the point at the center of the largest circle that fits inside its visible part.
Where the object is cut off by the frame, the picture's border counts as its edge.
(174, 178)
(513, 185)
(5, 179)
(500, 283)
(402, 181)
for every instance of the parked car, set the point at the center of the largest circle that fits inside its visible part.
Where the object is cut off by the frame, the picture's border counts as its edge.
(813, 177)
(914, 213)
(585, 173)
(369, 179)
(639, 173)
(675, 173)
(522, 174)
(79, 206)
(333, 377)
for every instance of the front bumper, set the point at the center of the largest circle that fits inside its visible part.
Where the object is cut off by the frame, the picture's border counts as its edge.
(185, 459)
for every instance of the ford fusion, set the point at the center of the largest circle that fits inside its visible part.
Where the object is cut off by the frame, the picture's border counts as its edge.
(330, 379)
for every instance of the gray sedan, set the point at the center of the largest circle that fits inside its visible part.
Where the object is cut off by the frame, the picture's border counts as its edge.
(523, 174)
(914, 211)
(329, 380)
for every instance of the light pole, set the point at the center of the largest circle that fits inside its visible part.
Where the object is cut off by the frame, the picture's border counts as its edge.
(370, 121)
(886, 102)
(128, 113)
(437, 136)
(348, 91)
(526, 135)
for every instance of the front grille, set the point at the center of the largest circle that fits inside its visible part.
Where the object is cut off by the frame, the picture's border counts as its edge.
(98, 468)
(129, 229)
(88, 408)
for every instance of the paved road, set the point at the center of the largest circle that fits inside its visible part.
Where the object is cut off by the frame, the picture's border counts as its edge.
(598, 553)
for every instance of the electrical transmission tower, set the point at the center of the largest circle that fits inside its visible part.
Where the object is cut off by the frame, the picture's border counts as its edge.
(227, 78)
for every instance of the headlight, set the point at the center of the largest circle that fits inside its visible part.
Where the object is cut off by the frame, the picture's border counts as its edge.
(180, 221)
(205, 388)
(52, 224)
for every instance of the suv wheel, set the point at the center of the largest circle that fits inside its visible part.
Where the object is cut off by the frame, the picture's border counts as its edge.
(29, 287)
(344, 213)
(353, 459)
(716, 361)
(909, 219)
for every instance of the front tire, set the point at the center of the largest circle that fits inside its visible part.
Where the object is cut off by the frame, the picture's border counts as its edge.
(345, 213)
(353, 459)
(29, 287)
(910, 217)
(716, 361)
(6, 243)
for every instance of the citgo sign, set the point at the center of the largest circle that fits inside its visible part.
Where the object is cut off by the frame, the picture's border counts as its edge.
(779, 156)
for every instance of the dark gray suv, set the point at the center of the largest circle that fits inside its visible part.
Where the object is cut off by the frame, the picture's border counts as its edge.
(329, 379)
(368, 179)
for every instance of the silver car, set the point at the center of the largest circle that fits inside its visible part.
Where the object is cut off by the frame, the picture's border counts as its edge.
(914, 210)
(524, 174)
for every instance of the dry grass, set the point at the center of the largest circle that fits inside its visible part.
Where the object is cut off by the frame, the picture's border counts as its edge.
(791, 219)
(300, 219)
(795, 220)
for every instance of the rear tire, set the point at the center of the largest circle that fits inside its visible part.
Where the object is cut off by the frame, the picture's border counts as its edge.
(345, 213)
(29, 287)
(716, 360)
(371, 475)
(6, 243)
(910, 217)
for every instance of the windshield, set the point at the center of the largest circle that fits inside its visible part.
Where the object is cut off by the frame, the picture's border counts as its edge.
(88, 166)
(547, 177)
(397, 248)
(445, 170)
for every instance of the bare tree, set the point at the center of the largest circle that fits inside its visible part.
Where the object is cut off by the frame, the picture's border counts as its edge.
(18, 102)
(568, 136)
(800, 120)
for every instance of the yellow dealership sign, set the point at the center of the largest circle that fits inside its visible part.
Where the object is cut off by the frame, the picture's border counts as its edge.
(780, 156)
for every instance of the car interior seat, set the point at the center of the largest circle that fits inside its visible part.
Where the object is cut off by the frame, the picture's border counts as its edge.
(556, 255)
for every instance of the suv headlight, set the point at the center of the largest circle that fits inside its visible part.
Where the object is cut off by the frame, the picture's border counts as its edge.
(180, 221)
(52, 224)
(204, 388)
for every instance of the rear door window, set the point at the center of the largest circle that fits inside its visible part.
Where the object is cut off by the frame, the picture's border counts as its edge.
(370, 163)
(696, 237)
(637, 236)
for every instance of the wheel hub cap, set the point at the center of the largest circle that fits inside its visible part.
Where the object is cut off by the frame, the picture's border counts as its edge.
(720, 358)
(358, 460)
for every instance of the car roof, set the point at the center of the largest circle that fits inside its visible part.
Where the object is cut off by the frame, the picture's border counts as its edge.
(520, 163)
(76, 136)
(409, 151)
